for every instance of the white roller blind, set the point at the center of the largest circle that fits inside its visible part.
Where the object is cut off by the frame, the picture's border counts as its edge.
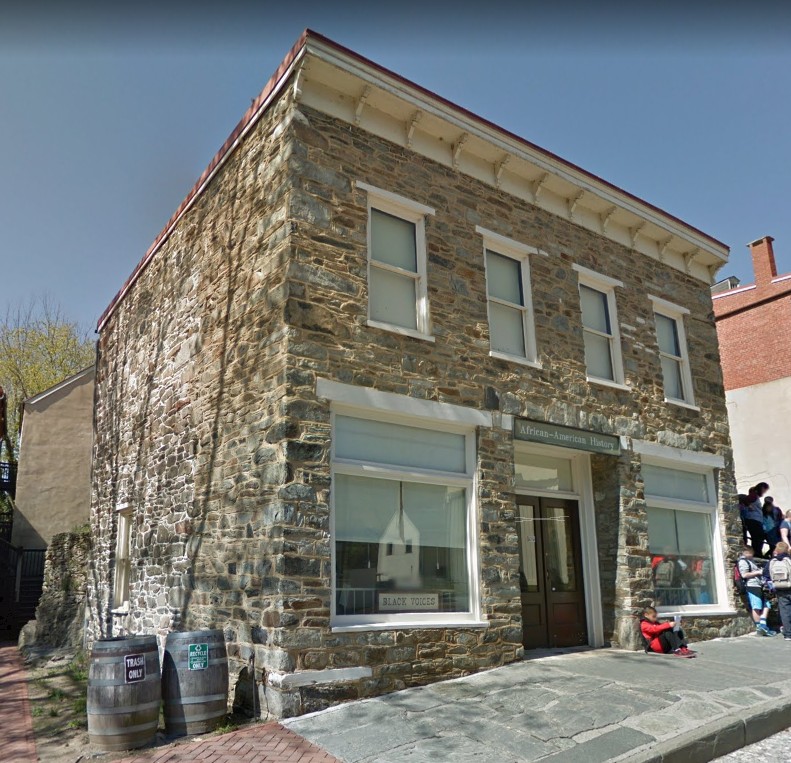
(392, 298)
(667, 335)
(379, 511)
(393, 241)
(675, 483)
(399, 445)
(504, 278)
(595, 312)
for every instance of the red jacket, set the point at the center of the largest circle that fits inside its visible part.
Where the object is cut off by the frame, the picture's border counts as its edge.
(651, 633)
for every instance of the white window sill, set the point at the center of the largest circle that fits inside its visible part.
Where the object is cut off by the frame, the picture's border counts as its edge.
(515, 359)
(401, 330)
(608, 383)
(702, 610)
(122, 610)
(402, 624)
(682, 404)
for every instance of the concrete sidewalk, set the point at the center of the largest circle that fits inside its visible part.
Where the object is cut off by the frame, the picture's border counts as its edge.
(579, 707)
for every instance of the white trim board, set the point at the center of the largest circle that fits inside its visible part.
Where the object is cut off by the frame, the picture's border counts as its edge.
(668, 453)
(365, 397)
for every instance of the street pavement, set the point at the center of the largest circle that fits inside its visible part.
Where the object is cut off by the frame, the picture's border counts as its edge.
(580, 707)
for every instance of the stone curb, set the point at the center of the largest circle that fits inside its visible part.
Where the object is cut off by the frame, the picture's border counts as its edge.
(720, 737)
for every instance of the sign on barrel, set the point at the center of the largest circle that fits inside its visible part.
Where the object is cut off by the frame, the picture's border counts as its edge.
(134, 668)
(198, 656)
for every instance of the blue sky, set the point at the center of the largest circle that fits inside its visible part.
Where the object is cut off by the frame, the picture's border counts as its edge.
(109, 113)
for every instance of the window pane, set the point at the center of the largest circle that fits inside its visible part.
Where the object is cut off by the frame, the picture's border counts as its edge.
(504, 278)
(597, 356)
(671, 373)
(393, 240)
(595, 310)
(667, 335)
(527, 532)
(400, 547)
(399, 445)
(507, 329)
(681, 557)
(675, 483)
(559, 555)
(543, 472)
(392, 298)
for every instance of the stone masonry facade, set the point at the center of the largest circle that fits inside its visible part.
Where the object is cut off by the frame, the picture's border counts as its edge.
(209, 427)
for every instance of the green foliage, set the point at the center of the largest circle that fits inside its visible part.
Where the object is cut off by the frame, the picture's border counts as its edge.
(57, 694)
(37, 711)
(39, 347)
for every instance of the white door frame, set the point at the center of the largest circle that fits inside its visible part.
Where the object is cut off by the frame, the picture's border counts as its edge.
(583, 494)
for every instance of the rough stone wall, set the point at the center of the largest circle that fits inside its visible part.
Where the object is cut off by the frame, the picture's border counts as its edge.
(190, 384)
(60, 615)
(209, 428)
(328, 279)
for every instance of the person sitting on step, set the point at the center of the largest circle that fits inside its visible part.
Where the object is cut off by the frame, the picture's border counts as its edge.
(663, 638)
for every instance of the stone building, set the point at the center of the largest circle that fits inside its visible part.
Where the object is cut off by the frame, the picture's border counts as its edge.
(397, 394)
(753, 326)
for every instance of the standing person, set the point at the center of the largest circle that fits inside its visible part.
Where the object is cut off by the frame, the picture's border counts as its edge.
(772, 517)
(663, 638)
(758, 605)
(785, 529)
(753, 517)
(778, 570)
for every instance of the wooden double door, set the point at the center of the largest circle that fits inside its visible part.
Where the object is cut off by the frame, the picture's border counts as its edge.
(550, 573)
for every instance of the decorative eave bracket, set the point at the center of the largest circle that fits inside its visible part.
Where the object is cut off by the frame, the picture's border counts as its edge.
(537, 186)
(663, 245)
(410, 130)
(358, 111)
(634, 233)
(605, 218)
(689, 258)
(498, 169)
(456, 149)
(572, 202)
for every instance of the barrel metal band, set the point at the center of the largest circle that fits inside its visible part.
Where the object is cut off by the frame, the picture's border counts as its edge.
(96, 710)
(124, 731)
(198, 700)
(118, 682)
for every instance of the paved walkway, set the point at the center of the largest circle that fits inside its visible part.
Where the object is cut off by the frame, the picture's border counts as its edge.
(594, 706)
(16, 726)
(263, 743)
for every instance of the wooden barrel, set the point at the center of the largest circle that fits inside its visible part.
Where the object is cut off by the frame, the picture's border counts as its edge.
(194, 682)
(124, 692)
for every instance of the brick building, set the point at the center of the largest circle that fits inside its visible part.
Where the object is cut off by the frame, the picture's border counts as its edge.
(397, 394)
(753, 327)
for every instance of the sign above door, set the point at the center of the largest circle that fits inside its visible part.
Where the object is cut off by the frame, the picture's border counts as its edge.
(566, 437)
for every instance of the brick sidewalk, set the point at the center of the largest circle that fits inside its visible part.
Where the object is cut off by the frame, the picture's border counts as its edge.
(15, 722)
(263, 743)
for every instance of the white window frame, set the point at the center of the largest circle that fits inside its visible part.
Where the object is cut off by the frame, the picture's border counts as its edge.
(701, 507)
(606, 286)
(415, 213)
(676, 313)
(123, 559)
(506, 247)
(468, 480)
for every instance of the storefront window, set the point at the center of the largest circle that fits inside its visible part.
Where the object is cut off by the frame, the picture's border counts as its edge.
(400, 547)
(681, 523)
(400, 509)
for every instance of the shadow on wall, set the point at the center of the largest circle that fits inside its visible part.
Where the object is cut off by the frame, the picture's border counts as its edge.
(233, 313)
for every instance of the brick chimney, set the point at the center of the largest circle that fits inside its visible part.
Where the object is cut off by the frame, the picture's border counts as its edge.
(763, 260)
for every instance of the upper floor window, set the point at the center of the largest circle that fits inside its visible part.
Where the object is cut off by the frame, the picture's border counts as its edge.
(673, 355)
(397, 290)
(123, 541)
(511, 327)
(600, 327)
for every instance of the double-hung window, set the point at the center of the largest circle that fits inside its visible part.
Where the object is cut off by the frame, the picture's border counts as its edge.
(683, 537)
(123, 560)
(511, 325)
(402, 522)
(600, 327)
(673, 355)
(397, 289)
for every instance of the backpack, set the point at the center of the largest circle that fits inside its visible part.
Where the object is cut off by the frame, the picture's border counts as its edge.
(664, 573)
(780, 574)
(739, 583)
